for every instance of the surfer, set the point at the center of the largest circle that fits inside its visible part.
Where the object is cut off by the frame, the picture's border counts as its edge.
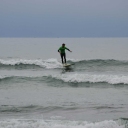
(61, 50)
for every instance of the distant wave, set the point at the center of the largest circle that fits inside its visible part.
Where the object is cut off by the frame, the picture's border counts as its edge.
(73, 78)
(54, 63)
(22, 109)
(30, 108)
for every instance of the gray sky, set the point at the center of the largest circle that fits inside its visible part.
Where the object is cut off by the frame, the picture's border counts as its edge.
(63, 18)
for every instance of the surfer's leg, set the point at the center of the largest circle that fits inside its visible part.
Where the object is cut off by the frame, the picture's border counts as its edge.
(62, 58)
(65, 57)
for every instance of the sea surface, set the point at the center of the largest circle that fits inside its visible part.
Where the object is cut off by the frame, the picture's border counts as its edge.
(36, 91)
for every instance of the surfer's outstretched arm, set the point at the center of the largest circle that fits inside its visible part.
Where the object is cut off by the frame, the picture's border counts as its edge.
(68, 49)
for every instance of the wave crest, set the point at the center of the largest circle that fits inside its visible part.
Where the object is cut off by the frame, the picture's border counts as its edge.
(94, 78)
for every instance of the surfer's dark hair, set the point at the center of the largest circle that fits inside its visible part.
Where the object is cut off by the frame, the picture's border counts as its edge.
(63, 44)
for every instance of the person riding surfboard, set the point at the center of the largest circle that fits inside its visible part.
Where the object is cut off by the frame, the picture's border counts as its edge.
(61, 50)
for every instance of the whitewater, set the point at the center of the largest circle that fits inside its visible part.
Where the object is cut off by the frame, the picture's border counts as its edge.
(36, 91)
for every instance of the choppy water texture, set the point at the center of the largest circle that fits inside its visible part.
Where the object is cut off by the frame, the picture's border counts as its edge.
(36, 91)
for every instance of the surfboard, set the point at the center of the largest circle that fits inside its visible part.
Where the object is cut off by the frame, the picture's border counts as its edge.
(67, 65)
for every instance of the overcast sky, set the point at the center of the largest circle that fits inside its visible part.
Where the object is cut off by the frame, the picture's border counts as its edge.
(63, 18)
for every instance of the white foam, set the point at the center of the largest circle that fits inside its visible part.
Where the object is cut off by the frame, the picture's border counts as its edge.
(50, 63)
(93, 78)
(56, 124)
(4, 77)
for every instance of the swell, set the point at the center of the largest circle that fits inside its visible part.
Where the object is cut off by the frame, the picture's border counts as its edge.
(54, 63)
(101, 62)
(101, 65)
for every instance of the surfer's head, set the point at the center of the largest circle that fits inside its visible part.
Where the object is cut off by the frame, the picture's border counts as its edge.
(63, 45)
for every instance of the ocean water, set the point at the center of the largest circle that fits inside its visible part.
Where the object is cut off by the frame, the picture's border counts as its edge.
(37, 92)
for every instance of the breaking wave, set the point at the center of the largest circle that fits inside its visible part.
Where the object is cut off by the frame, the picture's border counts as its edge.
(40, 123)
(50, 63)
(74, 78)
(88, 78)
(54, 63)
